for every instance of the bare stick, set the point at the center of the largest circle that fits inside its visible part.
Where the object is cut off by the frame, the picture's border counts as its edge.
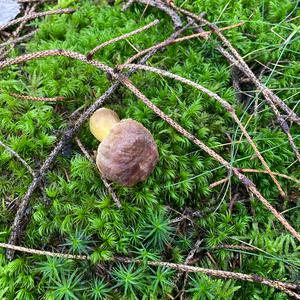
(32, 98)
(190, 256)
(217, 183)
(42, 252)
(33, 1)
(107, 185)
(224, 103)
(236, 247)
(245, 180)
(66, 137)
(286, 287)
(29, 10)
(275, 173)
(36, 15)
(291, 116)
(19, 39)
(197, 214)
(163, 7)
(280, 285)
(187, 261)
(119, 38)
(15, 154)
(55, 52)
(127, 5)
(293, 145)
(214, 184)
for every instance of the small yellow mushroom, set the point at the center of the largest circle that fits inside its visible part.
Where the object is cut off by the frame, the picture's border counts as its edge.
(102, 121)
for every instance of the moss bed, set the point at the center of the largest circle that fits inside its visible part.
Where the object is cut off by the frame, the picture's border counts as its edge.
(77, 215)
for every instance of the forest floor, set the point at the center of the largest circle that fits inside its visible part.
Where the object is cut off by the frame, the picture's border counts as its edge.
(219, 217)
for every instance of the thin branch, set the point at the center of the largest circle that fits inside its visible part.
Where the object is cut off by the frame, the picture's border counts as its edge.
(245, 180)
(127, 5)
(106, 184)
(223, 102)
(166, 9)
(286, 287)
(280, 285)
(42, 252)
(187, 261)
(217, 183)
(55, 52)
(36, 15)
(15, 154)
(275, 173)
(183, 217)
(293, 145)
(236, 247)
(119, 38)
(32, 98)
(190, 256)
(29, 10)
(19, 39)
(236, 59)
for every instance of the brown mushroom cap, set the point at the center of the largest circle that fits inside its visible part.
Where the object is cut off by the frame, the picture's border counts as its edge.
(128, 154)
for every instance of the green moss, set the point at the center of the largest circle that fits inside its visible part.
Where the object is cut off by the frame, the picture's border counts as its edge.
(81, 217)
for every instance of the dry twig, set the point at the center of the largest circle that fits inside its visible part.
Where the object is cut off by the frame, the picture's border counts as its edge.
(119, 38)
(236, 59)
(36, 15)
(31, 98)
(163, 7)
(214, 184)
(19, 39)
(280, 285)
(15, 154)
(237, 247)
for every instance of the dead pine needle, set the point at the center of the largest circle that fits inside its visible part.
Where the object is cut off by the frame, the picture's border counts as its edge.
(36, 15)
(119, 38)
(15, 154)
(32, 98)
(288, 288)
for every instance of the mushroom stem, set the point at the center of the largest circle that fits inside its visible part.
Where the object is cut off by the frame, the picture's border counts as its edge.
(102, 121)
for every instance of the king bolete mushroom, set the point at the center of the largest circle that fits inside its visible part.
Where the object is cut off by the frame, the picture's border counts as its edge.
(127, 153)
